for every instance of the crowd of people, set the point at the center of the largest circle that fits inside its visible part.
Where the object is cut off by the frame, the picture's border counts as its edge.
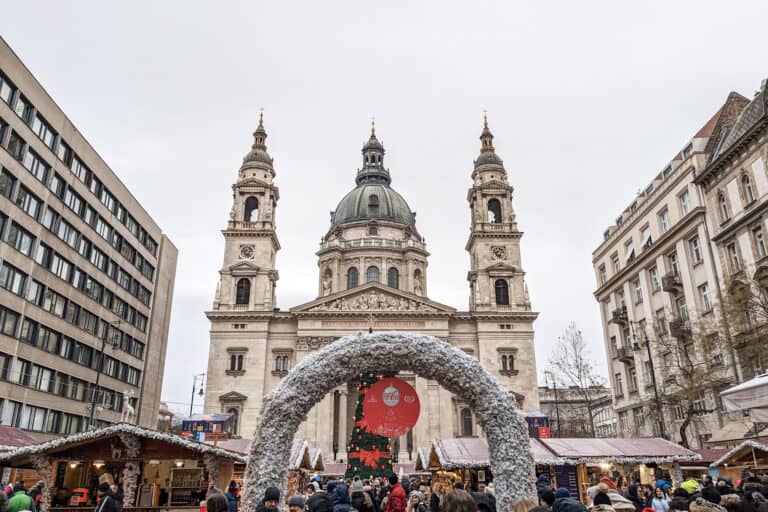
(375, 495)
(707, 495)
(393, 495)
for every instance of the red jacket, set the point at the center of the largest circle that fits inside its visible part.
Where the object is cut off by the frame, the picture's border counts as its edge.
(397, 500)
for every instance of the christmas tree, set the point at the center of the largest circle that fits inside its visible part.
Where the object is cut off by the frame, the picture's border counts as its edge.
(368, 454)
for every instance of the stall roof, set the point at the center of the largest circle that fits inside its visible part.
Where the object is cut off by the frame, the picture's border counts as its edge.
(316, 459)
(302, 456)
(746, 445)
(473, 452)
(734, 432)
(12, 438)
(335, 468)
(623, 450)
(709, 455)
(60, 445)
(422, 460)
(751, 395)
(221, 417)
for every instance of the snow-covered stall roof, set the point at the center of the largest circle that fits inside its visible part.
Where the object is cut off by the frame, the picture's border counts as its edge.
(751, 395)
(746, 445)
(12, 438)
(624, 450)
(21, 455)
(472, 452)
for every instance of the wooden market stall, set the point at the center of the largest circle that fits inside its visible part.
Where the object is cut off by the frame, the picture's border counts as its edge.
(751, 455)
(156, 470)
(574, 463)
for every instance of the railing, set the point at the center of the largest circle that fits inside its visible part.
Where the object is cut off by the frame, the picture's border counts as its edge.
(679, 328)
(625, 355)
(372, 242)
(672, 283)
(619, 316)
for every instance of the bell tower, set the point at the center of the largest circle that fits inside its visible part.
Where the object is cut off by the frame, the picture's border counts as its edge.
(248, 275)
(496, 277)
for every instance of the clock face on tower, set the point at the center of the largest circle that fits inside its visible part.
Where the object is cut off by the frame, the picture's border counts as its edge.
(246, 252)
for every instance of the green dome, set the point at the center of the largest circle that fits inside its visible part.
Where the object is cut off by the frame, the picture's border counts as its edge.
(373, 201)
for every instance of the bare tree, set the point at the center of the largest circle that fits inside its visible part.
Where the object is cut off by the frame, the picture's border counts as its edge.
(693, 362)
(745, 308)
(570, 364)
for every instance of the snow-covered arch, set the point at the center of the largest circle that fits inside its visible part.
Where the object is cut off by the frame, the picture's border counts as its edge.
(344, 360)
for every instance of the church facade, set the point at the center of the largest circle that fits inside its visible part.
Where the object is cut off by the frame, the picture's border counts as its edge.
(372, 274)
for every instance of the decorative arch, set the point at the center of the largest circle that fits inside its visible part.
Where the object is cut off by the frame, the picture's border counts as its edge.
(322, 371)
(372, 274)
(251, 210)
(494, 211)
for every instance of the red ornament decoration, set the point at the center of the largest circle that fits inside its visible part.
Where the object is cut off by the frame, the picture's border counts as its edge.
(391, 407)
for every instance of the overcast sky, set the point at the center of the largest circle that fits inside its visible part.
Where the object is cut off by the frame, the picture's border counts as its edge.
(587, 100)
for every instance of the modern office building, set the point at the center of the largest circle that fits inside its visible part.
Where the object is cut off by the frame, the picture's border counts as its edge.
(86, 275)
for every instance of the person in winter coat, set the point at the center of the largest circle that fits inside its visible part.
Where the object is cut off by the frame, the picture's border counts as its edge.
(523, 505)
(601, 503)
(543, 484)
(296, 503)
(568, 505)
(360, 500)
(618, 502)
(319, 501)
(702, 505)
(231, 496)
(660, 500)
(458, 500)
(342, 499)
(270, 501)
(217, 502)
(434, 500)
(416, 502)
(633, 495)
(108, 502)
(397, 500)
(19, 499)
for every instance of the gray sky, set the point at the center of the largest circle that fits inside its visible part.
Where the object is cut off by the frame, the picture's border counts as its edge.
(588, 101)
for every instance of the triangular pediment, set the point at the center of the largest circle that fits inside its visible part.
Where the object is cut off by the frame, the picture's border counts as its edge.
(252, 181)
(233, 396)
(243, 266)
(502, 267)
(373, 297)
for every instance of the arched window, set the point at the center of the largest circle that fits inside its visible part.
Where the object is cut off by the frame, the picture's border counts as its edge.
(240, 362)
(466, 422)
(251, 213)
(723, 206)
(234, 424)
(372, 275)
(352, 277)
(494, 211)
(373, 230)
(243, 295)
(373, 203)
(746, 184)
(393, 278)
(502, 292)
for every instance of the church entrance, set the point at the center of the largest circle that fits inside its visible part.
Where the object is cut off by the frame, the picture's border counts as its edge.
(344, 360)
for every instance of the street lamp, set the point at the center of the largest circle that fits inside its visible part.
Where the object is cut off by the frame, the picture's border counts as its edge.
(200, 376)
(549, 375)
(636, 348)
(114, 341)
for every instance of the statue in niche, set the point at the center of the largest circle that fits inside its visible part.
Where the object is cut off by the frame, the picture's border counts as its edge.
(327, 285)
(418, 287)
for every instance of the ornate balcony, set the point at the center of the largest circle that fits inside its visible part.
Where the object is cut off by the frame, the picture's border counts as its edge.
(679, 328)
(619, 316)
(625, 355)
(672, 283)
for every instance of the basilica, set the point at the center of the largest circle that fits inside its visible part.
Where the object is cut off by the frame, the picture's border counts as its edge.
(372, 274)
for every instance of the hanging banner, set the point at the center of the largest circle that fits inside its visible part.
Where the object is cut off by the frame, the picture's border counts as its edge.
(391, 407)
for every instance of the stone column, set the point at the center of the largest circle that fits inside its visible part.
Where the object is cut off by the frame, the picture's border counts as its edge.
(343, 419)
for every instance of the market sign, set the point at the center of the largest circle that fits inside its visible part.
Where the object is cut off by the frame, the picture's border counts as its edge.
(391, 407)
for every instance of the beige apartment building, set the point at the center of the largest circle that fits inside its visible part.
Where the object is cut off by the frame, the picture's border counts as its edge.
(736, 187)
(658, 284)
(84, 272)
(372, 273)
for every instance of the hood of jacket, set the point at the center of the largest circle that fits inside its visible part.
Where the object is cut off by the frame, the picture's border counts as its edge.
(341, 494)
(568, 505)
(702, 505)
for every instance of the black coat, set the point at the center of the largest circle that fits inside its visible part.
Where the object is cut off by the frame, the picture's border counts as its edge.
(109, 503)
(320, 502)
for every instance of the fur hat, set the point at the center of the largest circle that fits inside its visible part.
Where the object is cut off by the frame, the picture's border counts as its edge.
(702, 505)
(296, 501)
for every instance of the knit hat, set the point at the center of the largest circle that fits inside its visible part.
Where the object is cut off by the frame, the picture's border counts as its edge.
(562, 492)
(610, 483)
(710, 494)
(296, 501)
(330, 486)
(272, 494)
(357, 485)
(690, 485)
(601, 499)
(103, 487)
